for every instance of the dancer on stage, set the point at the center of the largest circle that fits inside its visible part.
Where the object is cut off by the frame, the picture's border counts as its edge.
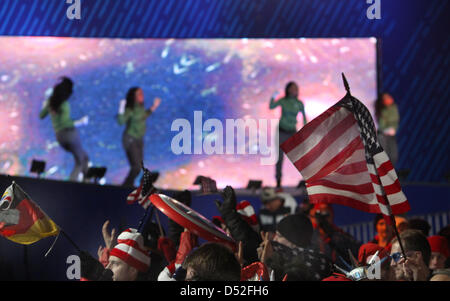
(386, 112)
(133, 113)
(290, 107)
(66, 134)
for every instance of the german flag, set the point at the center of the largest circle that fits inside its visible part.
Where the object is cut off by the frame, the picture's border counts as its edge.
(21, 220)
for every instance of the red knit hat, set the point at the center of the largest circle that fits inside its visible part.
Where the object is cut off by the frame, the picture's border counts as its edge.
(439, 244)
(369, 249)
(130, 248)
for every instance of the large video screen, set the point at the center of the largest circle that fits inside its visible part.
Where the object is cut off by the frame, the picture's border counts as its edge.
(223, 79)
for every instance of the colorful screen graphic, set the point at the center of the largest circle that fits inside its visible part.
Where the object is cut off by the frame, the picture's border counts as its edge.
(222, 78)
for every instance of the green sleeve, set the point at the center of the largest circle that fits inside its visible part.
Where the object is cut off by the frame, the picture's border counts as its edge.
(274, 104)
(396, 118)
(44, 111)
(123, 118)
(302, 109)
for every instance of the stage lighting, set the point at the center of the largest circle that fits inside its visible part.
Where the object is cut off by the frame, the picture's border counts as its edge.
(37, 167)
(96, 173)
(254, 185)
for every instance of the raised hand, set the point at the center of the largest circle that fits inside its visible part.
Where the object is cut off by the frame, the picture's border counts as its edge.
(122, 105)
(156, 103)
(109, 238)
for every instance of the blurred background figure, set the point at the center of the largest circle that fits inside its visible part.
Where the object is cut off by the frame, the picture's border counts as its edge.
(133, 114)
(386, 113)
(439, 252)
(401, 223)
(290, 107)
(66, 134)
(275, 206)
(328, 238)
(421, 225)
(384, 232)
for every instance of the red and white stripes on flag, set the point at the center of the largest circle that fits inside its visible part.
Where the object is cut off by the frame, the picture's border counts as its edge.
(339, 157)
(136, 196)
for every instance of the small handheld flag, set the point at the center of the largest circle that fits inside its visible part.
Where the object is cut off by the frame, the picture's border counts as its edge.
(21, 220)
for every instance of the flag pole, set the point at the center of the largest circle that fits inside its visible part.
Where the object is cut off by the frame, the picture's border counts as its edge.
(347, 88)
(70, 240)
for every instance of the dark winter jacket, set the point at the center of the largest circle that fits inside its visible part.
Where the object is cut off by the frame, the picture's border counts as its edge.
(239, 229)
(300, 264)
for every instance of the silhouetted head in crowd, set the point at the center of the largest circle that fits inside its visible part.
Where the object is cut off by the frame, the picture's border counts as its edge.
(61, 92)
(294, 230)
(418, 253)
(212, 262)
(439, 252)
(421, 225)
(128, 257)
(291, 90)
(384, 231)
(322, 210)
(134, 95)
(271, 200)
(401, 223)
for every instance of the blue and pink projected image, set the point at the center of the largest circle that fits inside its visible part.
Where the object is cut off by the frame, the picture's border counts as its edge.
(222, 78)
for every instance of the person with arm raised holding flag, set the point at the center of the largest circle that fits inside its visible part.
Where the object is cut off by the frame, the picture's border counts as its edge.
(133, 114)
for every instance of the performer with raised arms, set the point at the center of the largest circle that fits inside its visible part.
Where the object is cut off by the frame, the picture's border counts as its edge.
(133, 114)
(290, 107)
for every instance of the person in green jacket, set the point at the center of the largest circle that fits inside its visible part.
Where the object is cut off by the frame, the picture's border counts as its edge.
(133, 114)
(290, 107)
(66, 134)
(388, 118)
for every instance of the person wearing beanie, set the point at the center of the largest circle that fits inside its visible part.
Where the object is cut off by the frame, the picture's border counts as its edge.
(128, 257)
(289, 252)
(439, 252)
(328, 238)
(294, 230)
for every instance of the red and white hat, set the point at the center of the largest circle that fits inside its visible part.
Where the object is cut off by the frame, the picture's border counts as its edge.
(439, 244)
(130, 248)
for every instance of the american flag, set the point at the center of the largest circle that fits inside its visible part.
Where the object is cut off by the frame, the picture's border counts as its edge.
(142, 193)
(342, 162)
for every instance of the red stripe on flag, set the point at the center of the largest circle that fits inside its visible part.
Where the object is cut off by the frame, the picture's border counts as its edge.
(385, 168)
(352, 168)
(307, 130)
(329, 198)
(326, 141)
(334, 163)
(393, 188)
(361, 188)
